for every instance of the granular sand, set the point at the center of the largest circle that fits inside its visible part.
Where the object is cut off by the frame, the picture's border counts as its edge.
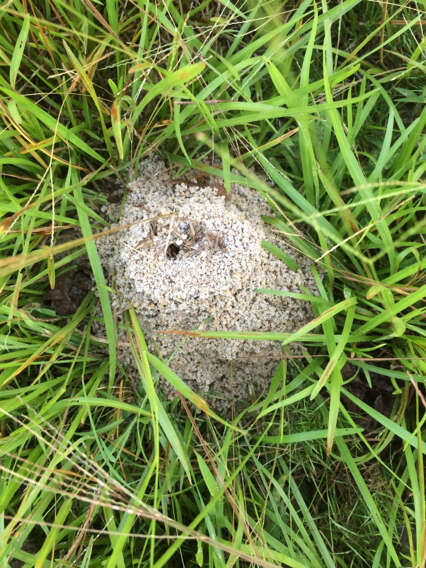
(198, 267)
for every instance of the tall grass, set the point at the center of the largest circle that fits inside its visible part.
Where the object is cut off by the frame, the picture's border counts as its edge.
(316, 105)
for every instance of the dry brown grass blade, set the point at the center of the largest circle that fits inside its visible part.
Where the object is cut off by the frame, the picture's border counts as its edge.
(15, 263)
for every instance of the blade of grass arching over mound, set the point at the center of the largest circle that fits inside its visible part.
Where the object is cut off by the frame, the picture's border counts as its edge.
(281, 255)
(185, 391)
(98, 275)
(14, 263)
(285, 338)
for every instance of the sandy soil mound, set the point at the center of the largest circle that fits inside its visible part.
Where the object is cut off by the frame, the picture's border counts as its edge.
(198, 266)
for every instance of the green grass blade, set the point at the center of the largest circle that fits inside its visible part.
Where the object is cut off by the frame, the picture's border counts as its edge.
(19, 50)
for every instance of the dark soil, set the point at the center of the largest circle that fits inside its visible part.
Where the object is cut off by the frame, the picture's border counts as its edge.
(70, 290)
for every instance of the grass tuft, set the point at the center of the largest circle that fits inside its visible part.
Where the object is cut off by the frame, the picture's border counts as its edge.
(317, 106)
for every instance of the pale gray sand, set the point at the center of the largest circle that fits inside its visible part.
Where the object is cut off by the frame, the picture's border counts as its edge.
(198, 268)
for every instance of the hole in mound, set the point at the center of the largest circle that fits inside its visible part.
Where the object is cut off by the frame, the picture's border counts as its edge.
(172, 250)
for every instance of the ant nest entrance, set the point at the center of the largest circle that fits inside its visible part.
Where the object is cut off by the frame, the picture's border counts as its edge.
(189, 239)
(193, 260)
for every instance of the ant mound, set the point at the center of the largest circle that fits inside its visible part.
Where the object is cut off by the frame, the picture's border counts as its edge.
(193, 260)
